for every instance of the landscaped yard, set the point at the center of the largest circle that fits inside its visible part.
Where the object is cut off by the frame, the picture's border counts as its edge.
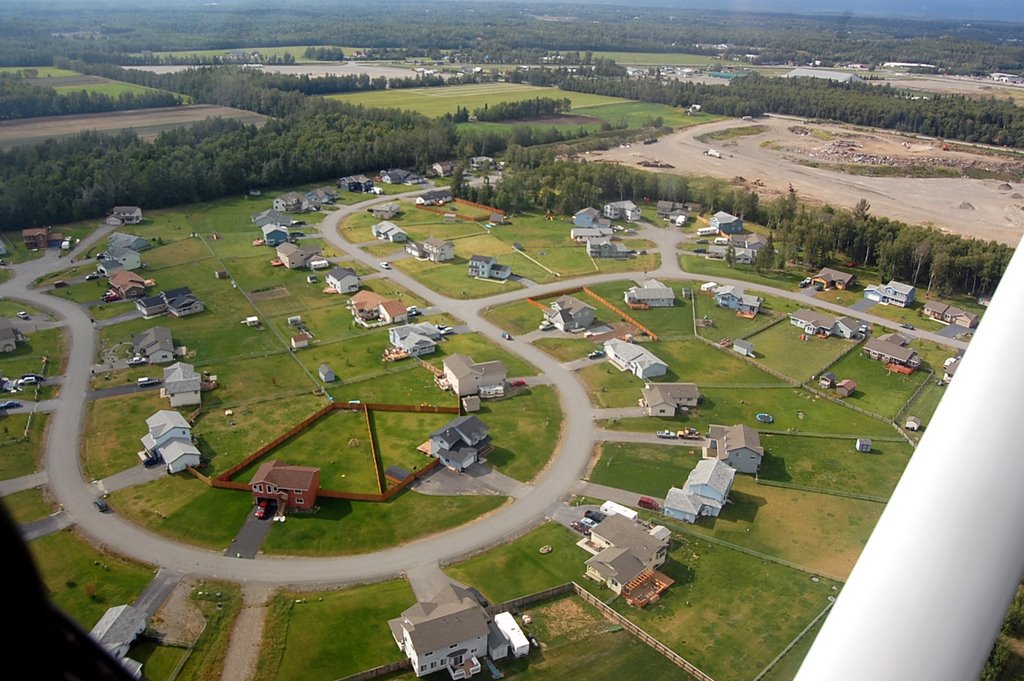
(834, 464)
(518, 568)
(322, 636)
(782, 349)
(21, 456)
(700, 363)
(346, 527)
(27, 505)
(879, 390)
(113, 428)
(667, 322)
(399, 433)
(83, 581)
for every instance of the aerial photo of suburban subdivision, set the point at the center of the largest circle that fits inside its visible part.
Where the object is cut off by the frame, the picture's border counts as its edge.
(499, 339)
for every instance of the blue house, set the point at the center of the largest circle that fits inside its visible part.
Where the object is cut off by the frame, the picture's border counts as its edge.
(726, 223)
(355, 183)
(487, 267)
(274, 235)
(585, 217)
(737, 299)
(893, 293)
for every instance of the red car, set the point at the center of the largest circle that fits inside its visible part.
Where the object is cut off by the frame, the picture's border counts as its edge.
(111, 296)
(518, 383)
(261, 510)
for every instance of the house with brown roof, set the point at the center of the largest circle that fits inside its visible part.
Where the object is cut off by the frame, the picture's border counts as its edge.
(9, 336)
(127, 284)
(626, 559)
(738, 446)
(292, 487)
(41, 237)
(890, 353)
(392, 312)
(668, 399)
(365, 305)
(846, 387)
(830, 278)
(467, 377)
(949, 314)
(295, 257)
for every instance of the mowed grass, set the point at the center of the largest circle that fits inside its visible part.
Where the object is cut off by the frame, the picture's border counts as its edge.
(517, 318)
(566, 349)
(28, 356)
(20, 456)
(183, 508)
(665, 321)
(112, 88)
(323, 636)
(27, 505)
(641, 468)
(480, 349)
(451, 278)
(524, 429)
(342, 527)
(879, 390)
(219, 603)
(518, 568)
(728, 613)
(834, 464)
(398, 435)
(637, 114)
(817, 531)
(158, 660)
(113, 428)
(410, 384)
(781, 348)
(437, 101)
(84, 581)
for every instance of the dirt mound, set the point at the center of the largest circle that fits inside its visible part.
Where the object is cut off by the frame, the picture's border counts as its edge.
(966, 205)
(1004, 187)
(1016, 195)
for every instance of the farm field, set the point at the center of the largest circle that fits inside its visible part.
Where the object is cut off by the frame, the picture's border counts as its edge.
(147, 123)
(327, 635)
(93, 84)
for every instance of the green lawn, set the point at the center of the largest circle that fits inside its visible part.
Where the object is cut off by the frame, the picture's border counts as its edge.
(644, 469)
(610, 387)
(344, 527)
(818, 531)
(524, 430)
(667, 322)
(926, 403)
(338, 444)
(399, 433)
(243, 381)
(906, 315)
(83, 581)
(516, 318)
(220, 603)
(481, 350)
(158, 661)
(698, 264)
(328, 635)
(566, 349)
(27, 505)
(182, 507)
(113, 428)
(702, 364)
(21, 457)
(450, 278)
(28, 356)
(878, 389)
(781, 348)
(636, 114)
(834, 464)
(112, 88)
(728, 613)
(518, 568)
(407, 384)
(789, 665)
(437, 101)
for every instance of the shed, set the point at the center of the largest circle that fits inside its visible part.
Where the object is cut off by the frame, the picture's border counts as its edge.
(300, 340)
(221, 274)
(471, 403)
(327, 373)
(913, 423)
(845, 387)
(863, 444)
(745, 348)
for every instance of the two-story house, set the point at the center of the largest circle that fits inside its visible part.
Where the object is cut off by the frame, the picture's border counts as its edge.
(570, 314)
(460, 442)
(705, 492)
(738, 447)
(893, 293)
(169, 437)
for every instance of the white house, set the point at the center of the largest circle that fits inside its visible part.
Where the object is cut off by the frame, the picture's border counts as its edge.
(651, 293)
(705, 492)
(634, 358)
(622, 210)
(389, 231)
(182, 385)
(343, 280)
(117, 630)
(467, 377)
(893, 293)
(170, 437)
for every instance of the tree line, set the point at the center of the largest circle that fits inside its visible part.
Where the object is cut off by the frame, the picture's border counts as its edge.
(528, 108)
(20, 98)
(812, 236)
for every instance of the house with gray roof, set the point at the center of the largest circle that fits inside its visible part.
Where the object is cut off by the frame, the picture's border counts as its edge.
(127, 215)
(412, 339)
(739, 447)
(624, 551)
(169, 437)
(584, 235)
(846, 327)
(894, 293)
(704, 494)
(570, 314)
(270, 216)
(434, 197)
(726, 223)
(487, 267)
(883, 351)
(389, 231)
(651, 293)
(292, 202)
(743, 347)
(460, 442)
(450, 632)
(634, 358)
(155, 344)
(343, 280)
(950, 314)
(586, 217)
(273, 234)
(622, 210)
(9, 336)
(117, 630)
(735, 298)
(604, 247)
(669, 399)
(812, 322)
(467, 377)
(384, 211)
(182, 385)
(125, 240)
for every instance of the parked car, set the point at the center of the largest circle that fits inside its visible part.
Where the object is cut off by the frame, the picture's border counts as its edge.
(518, 383)
(805, 283)
(702, 241)
(596, 516)
(60, 284)
(907, 326)
(261, 509)
(385, 265)
(137, 361)
(506, 335)
(587, 523)
(579, 527)
(700, 251)
(101, 505)
(666, 434)
(648, 503)
(152, 462)
(9, 404)
(38, 378)
(111, 296)
(546, 326)
(147, 381)
(23, 315)
(27, 380)
(92, 276)
(596, 354)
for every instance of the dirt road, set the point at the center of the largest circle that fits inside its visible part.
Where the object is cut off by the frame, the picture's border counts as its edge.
(984, 209)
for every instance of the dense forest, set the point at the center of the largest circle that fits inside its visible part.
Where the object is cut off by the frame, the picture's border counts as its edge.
(528, 108)
(106, 32)
(20, 98)
(815, 236)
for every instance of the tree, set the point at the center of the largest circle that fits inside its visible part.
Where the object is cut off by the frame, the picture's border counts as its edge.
(764, 261)
(458, 185)
(860, 211)
(730, 255)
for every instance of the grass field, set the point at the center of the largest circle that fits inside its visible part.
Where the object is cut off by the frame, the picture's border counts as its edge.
(878, 389)
(518, 568)
(113, 428)
(437, 101)
(698, 264)
(524, 430)
(158, 660)
(637, 114)
(82, 581)
(27, 505)
(516, 318)
(20, 457)
(343, 527)
(644, 469)
(39, 71)
(399, 433)
(789, 665)
(566, 349)
(28, 356)
(323, 636)
(112, 88)
(668, 322)
(833, 464)
(781, 349)
(220, 603)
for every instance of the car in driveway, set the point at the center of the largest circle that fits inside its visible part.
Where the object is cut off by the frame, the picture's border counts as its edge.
(596, 516)
(9, 404)
(587, 523)
(92, 276)
(596, 354)
(152, 461)
(22, 315)
(579, 527)
(101, 505)
(700, 251)
(385, 265)
(804, 283)
(261, 509)
(137, 361)
(666, 434)
(111, 296)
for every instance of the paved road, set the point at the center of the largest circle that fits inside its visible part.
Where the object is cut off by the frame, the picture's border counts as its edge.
(539, 500)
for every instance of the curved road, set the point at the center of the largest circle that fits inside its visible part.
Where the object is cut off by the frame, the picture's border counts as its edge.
(546, 492)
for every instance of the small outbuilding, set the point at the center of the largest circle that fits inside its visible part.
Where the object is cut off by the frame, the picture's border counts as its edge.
(742, 347)
(827, 380)
(471, 403)
(845, 387)
(327, 373)
(863, 444)
(301, 340)
(913, 423)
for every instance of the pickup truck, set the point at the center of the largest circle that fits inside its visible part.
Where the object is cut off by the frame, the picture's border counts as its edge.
(666, 434)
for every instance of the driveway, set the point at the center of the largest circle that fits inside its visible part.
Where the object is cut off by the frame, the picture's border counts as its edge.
(863, 305)
(250, 538)
(477, 479)
(136, 475)
(30, 481)
(157, 591)
(48, 525)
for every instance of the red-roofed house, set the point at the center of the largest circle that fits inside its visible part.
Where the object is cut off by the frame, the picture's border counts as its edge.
(292, 487)
(393, 311)
(128, 284)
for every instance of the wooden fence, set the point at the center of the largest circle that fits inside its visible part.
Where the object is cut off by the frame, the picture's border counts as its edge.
(277, 442)
(377, 672)
(490, 209)
(611, 306)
